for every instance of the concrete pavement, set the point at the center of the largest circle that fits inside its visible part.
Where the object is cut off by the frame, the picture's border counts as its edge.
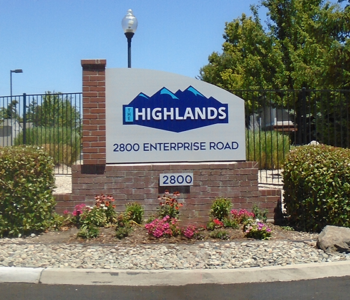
(173, 277)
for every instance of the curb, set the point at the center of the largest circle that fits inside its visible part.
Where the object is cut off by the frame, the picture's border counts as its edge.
(25, 275)
(173, 277)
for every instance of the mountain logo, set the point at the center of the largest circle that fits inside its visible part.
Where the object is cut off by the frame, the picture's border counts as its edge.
(182, 111)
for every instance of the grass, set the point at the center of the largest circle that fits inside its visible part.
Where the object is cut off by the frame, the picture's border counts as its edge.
(62, 143)
(268, 148)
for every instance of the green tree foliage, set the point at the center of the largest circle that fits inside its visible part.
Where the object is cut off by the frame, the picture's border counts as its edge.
(54, 110)
(56, 125)
(10, 112)
(306, 44)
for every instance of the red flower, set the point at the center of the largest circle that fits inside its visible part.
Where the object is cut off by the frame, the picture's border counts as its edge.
(218, 222)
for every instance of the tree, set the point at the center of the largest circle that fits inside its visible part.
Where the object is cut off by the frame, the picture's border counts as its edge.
(56, 126)
(306, 44)
(54, 110)
(10, 112)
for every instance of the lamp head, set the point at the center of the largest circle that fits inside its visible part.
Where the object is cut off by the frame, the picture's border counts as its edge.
(129, 22)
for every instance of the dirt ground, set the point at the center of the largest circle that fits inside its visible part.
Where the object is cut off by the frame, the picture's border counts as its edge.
(139, 236)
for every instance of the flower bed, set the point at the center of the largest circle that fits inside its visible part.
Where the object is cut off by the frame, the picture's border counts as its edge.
(166, 223)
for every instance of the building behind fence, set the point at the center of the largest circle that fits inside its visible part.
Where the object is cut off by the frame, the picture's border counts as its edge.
(276, 120)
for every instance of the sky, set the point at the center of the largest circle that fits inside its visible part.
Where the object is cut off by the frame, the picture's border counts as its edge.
(47, 39)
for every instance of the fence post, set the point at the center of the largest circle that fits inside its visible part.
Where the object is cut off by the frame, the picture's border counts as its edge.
(303, 99)
(24, 118)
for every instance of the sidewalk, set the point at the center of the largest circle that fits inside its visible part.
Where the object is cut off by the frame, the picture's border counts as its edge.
(173, 277)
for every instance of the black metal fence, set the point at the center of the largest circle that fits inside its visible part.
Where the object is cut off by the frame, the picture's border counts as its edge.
(277, 120)
(52, 121)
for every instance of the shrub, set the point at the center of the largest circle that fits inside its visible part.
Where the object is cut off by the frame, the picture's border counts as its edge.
(220, 208)
(26, 185)
(134, 212)
(61, 143)
(317, 187)
(269, 148)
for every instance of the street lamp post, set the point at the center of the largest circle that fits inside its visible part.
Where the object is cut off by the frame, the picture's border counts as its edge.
(13, 71)
(129, 24)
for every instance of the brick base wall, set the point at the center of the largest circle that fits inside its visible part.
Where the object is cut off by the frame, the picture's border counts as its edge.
(237, 181)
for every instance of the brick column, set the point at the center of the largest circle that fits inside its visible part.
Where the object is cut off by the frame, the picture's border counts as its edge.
(94, 113)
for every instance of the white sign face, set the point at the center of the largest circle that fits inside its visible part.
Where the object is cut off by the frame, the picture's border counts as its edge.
(154, 116)
(176, 179)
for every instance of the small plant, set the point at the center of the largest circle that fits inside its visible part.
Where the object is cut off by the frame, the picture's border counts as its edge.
(257, 230)
(190, 232)
(241, 216)
(106, 203)
(88, 231)
(219, 234)
(77, 212)
(287, 228)
(163, 227)
(93, 216)
(261, 215)
(89, 218)
(123, 227)
(134, 212)
(214, 224)
(210, 225)
(220, 208)
(150, 219)
(168, 205)
(230, 223)
(122, 232)
(58, 221)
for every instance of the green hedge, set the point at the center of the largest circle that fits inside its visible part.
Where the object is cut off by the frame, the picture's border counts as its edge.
(26, 184)
(62, 143)
(317, 187)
